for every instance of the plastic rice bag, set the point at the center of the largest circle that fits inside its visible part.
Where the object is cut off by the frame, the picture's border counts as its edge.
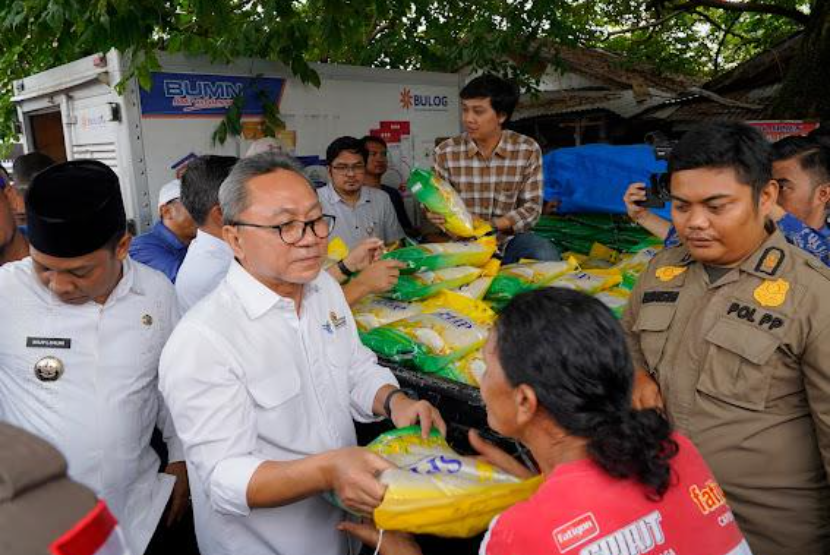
(615, 299)
(467, 370)
(425, 284)
(514, 279)
(428, 341)
(372, 311)
(436, 256)
(441, 198)
(589, 281)
(436, 491)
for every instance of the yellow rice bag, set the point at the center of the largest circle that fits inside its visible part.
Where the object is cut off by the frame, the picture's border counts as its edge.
(420, 285)
(589, 281)
(436, 491)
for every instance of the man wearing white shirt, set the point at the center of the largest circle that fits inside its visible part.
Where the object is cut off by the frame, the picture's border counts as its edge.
(208, 256)
(265, 376)
(81, 333)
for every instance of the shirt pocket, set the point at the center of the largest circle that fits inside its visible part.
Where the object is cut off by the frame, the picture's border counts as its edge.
(273, 393)
(653, 328)
(735, 369)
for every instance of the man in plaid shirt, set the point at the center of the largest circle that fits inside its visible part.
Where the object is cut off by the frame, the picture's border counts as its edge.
(497, 172)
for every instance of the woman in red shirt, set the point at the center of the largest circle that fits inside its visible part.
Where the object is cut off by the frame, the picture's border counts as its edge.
(617, 481)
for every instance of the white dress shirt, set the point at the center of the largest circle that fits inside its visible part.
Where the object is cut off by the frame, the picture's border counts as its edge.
(100, 413)
(206, 263)
(247, 380)
(372, 216)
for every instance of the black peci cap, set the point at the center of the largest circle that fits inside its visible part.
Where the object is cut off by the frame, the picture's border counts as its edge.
(74, 208)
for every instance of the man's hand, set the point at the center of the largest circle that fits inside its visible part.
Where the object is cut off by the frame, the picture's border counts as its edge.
(380, 276)
(406, 412)
(352, 473)
(180, 498)
(503, 224)
(497, 457)
(436, 219)
(635, 192)
(367, 252)
(646, 392)
(394, 542)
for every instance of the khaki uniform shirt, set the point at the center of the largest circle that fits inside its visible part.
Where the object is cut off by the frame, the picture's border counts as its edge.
(744, 370)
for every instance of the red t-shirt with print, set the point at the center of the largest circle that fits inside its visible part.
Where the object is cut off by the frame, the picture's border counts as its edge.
(580, 509)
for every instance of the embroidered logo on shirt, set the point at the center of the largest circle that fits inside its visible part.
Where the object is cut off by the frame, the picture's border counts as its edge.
(55, 343)
(669, 273)
(575, 532)
(147, 320)
(772, 293)
(748, 313)
(337, 322)
(49, 369)
(770, 261)
(327, 327)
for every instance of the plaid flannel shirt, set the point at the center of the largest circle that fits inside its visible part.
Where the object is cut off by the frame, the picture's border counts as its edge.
(507, 184)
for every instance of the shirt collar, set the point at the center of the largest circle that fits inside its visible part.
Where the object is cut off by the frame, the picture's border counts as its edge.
(334, 197)
(472, 148)
(257, 298)
(211, 242)
(167, 235)
(130, 282)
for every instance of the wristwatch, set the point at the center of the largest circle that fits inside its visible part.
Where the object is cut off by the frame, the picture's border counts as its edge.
(387, 403)
(341, 264)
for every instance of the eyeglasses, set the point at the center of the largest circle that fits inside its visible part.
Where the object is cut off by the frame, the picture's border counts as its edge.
(348, 168)
(293, 232)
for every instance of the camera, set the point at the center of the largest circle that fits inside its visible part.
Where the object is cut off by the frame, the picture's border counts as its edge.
(657, 191)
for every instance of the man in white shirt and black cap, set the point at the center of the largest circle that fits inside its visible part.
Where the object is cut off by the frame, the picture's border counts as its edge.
(265, 376)
(81, 333)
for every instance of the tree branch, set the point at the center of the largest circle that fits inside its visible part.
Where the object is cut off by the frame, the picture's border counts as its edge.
(749, 7)
(650, 25)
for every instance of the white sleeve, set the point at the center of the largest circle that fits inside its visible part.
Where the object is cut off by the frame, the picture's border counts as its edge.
(366, 376)
(214, 416)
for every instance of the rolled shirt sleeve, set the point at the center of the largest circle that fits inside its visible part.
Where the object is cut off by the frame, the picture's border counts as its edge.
(214, 417)
(529, 200)
(366, 377)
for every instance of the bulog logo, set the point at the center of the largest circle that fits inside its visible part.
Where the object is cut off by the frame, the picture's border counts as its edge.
(410, 100)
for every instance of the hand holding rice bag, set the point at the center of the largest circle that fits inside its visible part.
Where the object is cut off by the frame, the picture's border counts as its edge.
(514, 279)
(436, 491)
(428, 341)
(436, 256)
(372, 312)
(441, 198)
(425, 284)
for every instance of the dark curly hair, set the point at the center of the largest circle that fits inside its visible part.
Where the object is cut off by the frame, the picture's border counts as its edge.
(571, 350)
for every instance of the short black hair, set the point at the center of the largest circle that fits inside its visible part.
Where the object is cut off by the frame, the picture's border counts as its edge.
(27, 166)
(347, 143)
(726, 145)
(503, 94)
(821, 134)
(201, 181)
(366, 139)
(812, 156)
(569, 348)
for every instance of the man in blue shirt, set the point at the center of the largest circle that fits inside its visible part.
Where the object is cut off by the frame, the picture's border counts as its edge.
(801, 166)
(165, 245)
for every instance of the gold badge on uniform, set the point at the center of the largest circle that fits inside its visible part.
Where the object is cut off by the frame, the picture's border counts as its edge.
(772, 293)
(49, 369)
(669, 273)
(147, 320)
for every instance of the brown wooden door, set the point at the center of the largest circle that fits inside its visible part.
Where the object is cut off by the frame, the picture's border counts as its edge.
(47, 135)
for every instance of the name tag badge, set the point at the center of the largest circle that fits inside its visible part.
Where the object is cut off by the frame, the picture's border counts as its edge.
(51, 343)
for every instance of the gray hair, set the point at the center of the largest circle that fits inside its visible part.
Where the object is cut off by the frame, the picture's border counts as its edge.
(233, 194)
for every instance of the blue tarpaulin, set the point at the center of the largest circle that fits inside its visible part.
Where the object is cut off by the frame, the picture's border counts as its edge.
(594, 178)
